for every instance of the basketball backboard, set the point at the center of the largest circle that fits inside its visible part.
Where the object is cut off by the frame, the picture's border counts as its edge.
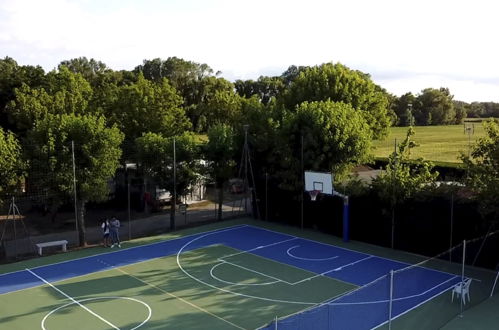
(320, 181)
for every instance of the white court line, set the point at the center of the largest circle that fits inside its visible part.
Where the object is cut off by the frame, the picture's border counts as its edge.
(260, 247)
(130, 248)
(307, 259)
(254, 271)
(232, 283)
(149, 311)
(109, 253)
(414, 307)
(73, 300)
(342, 248)
(352, 263)
(330, 271)
(228, 291)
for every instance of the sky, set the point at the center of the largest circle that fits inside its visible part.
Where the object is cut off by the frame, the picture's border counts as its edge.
(405, 45)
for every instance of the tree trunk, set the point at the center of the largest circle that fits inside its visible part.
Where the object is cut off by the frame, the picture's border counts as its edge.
(220, 200)
(81, 222)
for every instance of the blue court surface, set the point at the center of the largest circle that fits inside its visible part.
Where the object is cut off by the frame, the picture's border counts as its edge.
(365, 307)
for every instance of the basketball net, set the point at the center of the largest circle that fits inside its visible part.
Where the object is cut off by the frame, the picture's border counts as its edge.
(313, 194)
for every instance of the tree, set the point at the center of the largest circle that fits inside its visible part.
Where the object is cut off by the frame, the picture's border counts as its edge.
(11, 163)
(403, 110)
(96, 153)
(483, 168)
(89, 69)
(155, 156)
(200, 98)
(145, 107)
(64, 93)
(222, 107)
(338, 83)
(335, 136)
(220, 153)
(12, 76)
(434, 107)
(461, 109)
(265, 88)
(402, 177)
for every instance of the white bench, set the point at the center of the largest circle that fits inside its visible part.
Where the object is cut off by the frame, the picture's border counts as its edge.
(62, 243)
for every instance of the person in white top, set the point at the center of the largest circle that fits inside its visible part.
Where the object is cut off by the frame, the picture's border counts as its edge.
(105, 233)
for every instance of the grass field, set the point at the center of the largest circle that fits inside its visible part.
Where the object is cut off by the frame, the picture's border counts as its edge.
(436, 143)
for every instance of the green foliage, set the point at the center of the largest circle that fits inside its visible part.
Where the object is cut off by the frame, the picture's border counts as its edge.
(97, 154)
(434, 107)
(338, 83)
(12, 76)
(483, 167)
(145, 106)
(11, 163)
(335, 137)
(265, 88)
(403, 178)
(222, 107)
(65, 93)
(219, 151)
(403, 110)
(155, 156)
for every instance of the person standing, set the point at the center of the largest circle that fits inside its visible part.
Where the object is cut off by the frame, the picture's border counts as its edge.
(114, 226)
(105, 233)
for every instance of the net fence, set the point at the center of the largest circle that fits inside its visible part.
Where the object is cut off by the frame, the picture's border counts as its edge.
(426, 294)
(42, 205)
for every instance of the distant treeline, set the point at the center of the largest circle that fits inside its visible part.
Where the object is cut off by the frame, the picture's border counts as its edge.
(207, 98)
(437, 107)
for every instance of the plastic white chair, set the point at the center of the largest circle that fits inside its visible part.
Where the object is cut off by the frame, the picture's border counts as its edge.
(462, 289)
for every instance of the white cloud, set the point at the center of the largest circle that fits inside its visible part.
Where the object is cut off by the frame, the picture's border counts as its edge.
(445, 42)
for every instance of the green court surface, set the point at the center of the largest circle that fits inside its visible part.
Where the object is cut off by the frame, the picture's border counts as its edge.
(226, 289)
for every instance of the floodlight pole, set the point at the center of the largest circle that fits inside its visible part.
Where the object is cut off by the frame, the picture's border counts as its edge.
(462, 277)
(172, 218)
(302, 181)
(74, 188)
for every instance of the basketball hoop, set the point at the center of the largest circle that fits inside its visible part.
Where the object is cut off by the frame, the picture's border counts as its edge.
(313, 194)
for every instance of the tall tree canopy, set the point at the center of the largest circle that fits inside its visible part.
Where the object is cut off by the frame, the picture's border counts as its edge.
(97, 154)
(148, 107)
(338, 83)
(12, 165)
(434, 107)
(335, 136)
(64, 93)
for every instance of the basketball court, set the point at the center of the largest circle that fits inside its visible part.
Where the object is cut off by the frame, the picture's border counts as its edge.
(239, 277)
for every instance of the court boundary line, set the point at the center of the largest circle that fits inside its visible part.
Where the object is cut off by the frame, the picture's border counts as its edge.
(232, 283)
(232, 292)
(412, 308)
(367, 254)
(154, 286)
(72, 299)
(124, 249)
(307, 259)
(367, 303)
(314, 275)
(102, 298)
(254, 271)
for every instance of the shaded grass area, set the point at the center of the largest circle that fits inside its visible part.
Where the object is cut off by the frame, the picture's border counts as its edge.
(436, 143)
